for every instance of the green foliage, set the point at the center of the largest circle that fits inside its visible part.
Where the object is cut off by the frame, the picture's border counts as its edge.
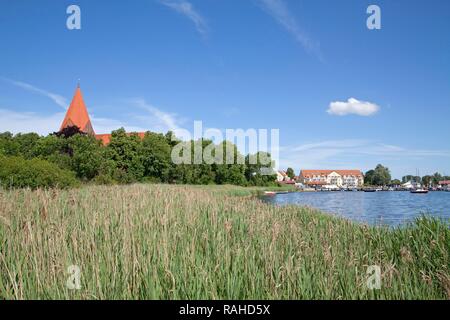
(8, 146)
(426, 180)
(127, 153)
(380, 176)
(257, 167)
(290, 173)
(128, 158)
(17, 172)
(156, 156)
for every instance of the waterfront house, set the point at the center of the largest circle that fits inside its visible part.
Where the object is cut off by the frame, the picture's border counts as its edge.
(282, 176)
(444, 185)
(338, 178)
(411, 185)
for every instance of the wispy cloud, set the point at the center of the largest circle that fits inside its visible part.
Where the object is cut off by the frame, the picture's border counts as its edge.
(24, 122)
(353, 153)
(187, 9)
(56, 98)
(280, 12)
(157, 119)
(353, 106)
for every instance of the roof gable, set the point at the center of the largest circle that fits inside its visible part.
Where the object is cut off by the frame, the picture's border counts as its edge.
(77, 115)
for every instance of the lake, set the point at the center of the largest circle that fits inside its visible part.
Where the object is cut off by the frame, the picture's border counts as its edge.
(375, 208)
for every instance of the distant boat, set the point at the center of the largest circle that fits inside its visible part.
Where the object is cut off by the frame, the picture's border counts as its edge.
(270, 193)
(370, 190)
(420, 190)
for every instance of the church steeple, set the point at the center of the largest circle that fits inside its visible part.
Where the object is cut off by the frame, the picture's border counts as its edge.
(77, 114)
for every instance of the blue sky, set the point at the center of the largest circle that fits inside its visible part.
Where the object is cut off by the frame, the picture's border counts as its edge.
(292, 65)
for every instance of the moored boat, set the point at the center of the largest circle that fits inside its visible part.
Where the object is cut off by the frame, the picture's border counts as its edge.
(420, 190)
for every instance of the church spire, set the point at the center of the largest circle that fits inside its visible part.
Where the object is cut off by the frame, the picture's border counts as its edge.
(77, 114)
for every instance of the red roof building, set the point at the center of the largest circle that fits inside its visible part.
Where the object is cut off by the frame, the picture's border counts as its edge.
(77, 115)
(340, 178)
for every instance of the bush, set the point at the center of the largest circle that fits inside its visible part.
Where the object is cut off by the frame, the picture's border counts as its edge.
(16, 172)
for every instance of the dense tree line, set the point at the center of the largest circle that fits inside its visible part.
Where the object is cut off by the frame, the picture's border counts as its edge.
(381, 176)
(128, 158)
(427, 180)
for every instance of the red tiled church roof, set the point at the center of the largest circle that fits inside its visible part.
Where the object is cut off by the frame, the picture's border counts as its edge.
(106, 138)
(77, 115)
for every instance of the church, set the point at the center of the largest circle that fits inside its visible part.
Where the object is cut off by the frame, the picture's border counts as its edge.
(77, 115)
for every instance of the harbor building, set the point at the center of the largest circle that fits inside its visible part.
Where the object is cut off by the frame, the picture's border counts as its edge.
(338, 178)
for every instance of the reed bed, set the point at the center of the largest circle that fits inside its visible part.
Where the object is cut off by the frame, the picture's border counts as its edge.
(184, 242)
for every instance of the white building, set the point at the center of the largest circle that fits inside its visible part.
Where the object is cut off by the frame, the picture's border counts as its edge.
(338, 178)
(282, 176)
(411, 185)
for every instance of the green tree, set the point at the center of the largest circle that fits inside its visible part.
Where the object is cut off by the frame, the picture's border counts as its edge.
(25, 144)
(8, 145)
(156, 152)
(427, 180)
(259, 167)
(436, 178)
(368, 177)
(86, 156)
(126, 152)
(232, 168)
(380, 176)
(290, 173)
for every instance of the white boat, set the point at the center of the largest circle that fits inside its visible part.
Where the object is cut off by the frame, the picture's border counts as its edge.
(420, 190)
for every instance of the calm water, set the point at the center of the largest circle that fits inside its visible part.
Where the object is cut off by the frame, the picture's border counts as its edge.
(388, 208)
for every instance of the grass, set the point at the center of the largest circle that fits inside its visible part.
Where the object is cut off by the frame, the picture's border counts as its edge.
(186, 242)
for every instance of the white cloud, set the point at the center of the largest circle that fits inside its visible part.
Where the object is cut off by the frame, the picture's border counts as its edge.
(21, 122)
(24, 122)
(354, 154)
(56, 98)
(353, 106)
(157, 119)
(187, 9)
(280, 12)
(105, 125)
